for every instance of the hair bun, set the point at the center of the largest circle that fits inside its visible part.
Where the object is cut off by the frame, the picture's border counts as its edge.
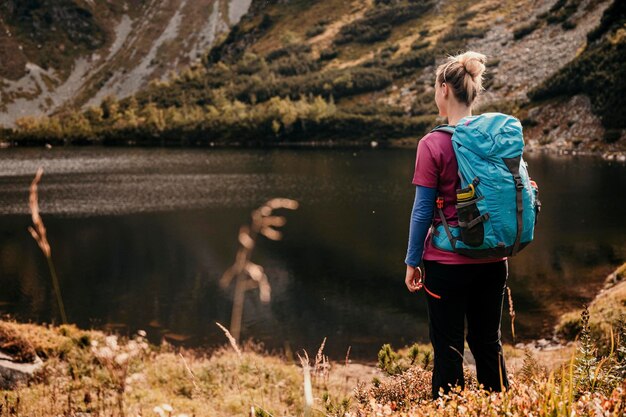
(473, 63)
(455, 73)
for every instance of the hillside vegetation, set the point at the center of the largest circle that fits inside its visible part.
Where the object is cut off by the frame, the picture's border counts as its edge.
(598, 72)
(348, 72)
(67, 54)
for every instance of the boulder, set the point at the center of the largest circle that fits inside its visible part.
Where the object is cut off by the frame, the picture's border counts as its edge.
(13, 372)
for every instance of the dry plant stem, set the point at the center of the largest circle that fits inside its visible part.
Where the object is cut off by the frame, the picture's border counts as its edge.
(308, 388)
(237, 313)
(511, 312)
(57, 289)
(231, 339)
(193, 377)
(38, 232)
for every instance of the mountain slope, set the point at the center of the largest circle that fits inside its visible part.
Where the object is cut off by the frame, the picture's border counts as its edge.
(65, 53)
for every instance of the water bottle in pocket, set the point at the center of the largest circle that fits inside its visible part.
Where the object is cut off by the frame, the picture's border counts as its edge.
(470, 218)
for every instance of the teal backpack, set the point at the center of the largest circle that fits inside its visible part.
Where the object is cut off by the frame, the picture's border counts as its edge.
(497, 205)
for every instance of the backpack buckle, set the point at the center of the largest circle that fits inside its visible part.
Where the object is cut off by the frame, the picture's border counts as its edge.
(439, 202)
(518, 182)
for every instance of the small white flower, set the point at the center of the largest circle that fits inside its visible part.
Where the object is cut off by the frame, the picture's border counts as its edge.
(141, 333)
(159, 411)
(167, 408)
(111, 342)
(121, 358)
(133, 347)
(104, 353)
(134, 378)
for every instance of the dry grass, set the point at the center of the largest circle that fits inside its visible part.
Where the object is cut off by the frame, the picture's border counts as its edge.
(13, 343)
(106, 375)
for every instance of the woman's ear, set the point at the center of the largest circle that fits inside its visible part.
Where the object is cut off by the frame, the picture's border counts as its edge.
(444, 89)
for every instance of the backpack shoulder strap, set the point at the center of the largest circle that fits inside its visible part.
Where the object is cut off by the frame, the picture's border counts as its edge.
(444, 128)
(439, 202)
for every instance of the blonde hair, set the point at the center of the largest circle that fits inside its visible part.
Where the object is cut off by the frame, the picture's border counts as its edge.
(464, 74)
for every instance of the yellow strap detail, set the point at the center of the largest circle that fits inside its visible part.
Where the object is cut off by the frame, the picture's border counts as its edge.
(467, 195)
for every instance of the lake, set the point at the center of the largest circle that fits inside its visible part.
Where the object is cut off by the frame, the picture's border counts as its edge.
(140, 238)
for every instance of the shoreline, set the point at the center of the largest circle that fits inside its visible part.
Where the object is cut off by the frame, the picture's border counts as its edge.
(402, 143)
(615, 281)
(132, 377)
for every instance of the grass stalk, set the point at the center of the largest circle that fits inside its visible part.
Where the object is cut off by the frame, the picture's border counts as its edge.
(38, 232)
(511, 312)
(57, 289)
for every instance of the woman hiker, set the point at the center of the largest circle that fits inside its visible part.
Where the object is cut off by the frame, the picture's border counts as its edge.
(457, 287)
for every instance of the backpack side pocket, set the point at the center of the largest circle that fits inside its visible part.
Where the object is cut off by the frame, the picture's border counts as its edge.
(535, 189)
(470, 218)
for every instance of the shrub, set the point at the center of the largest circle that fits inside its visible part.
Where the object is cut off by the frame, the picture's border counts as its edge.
(459, 33)
(296, 48)
(562, 10)
(296, 64)
(615, 13)
(249, 64)
(335, 82)
(568, 25)
(411, 61)
(315, 30)
(328, 54)
(361, 32)
(526, 29)
(377, 23)
(420, 44)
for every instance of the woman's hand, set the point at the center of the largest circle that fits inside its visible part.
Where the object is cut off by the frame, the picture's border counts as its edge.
(413, 278)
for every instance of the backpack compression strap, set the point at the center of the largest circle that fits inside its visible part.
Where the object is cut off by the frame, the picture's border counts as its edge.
(513, 165)
(451, 238)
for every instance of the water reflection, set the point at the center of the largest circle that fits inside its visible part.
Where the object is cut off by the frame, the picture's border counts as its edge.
(140, 238)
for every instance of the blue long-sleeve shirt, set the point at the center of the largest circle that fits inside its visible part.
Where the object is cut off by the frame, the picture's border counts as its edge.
(421, 219)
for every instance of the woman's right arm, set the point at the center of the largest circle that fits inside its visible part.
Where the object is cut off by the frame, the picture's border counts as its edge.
(421, 219)
(426, 178)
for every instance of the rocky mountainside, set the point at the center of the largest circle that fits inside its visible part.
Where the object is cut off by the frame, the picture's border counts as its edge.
(59, 54)
(306, 70)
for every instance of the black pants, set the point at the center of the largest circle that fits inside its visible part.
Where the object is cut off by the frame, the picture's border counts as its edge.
(475, 292)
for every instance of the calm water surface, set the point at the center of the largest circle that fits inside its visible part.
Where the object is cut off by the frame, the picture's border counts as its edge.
(140, 238)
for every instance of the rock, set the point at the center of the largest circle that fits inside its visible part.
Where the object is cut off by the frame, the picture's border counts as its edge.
(534, 112)
(13, 373)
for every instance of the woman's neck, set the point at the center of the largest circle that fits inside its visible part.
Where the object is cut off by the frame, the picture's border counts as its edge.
(457, 113)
